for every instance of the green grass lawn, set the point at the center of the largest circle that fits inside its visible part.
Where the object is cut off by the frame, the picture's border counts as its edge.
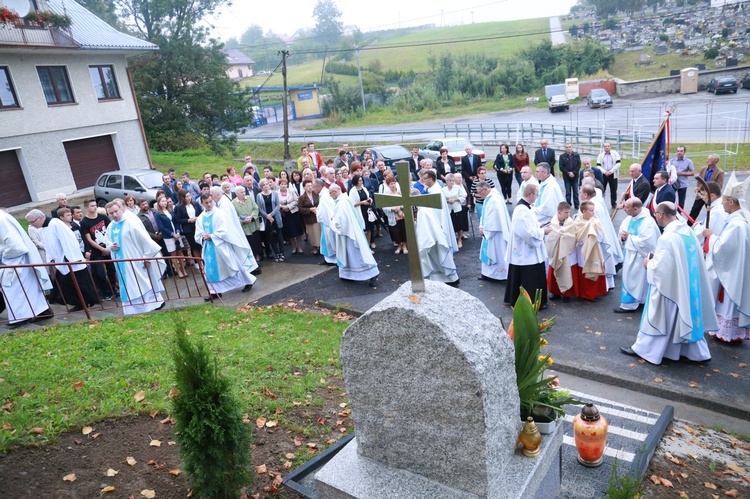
(65, 377)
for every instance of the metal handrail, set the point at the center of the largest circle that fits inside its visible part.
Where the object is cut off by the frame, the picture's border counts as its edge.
(191, 292)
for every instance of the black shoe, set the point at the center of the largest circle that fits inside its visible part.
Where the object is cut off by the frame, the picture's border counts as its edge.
(257, 271)
(212, 297)
(544, 307)
(161, 306)
(18, 324)
(454, 284)
(47, 314)
(247, 288)
(483, 278)
(619, 310)
(554, 297)
(628, 351)
(372, 281)
(566, 299)
(77, 308)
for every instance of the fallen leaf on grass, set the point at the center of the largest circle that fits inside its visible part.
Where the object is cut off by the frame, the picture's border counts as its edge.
(153, 414)
(709, 485)
(658, 380)
(683, 494)
(173, 393)
(148, 493)
(108, 488)
(77, 385)
(272, 424)
(175, 472)
(287, 465)
(139, 396)
(155, 443)
(278, 479)
(7, 426)
(131, 461)
(675, 460)
(37, 430)
(268, 393)
(732, 493)
(289, 455)
(86, 430)
(742, 365)
(261, 470)
(69, 478)
(414, 299)
(260, 422)
(296, 404)
(111, 472)
(297, 441)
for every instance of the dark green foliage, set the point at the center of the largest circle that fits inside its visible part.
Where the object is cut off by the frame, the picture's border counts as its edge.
(214, 442)
(341, 68)
(711, 53)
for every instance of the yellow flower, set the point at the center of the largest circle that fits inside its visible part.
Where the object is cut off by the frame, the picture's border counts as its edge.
(543, 343)
(549, 361)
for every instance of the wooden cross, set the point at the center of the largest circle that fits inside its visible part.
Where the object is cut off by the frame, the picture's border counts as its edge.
(408, 202)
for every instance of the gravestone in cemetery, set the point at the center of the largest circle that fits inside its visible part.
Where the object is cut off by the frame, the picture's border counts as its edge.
(431, 384)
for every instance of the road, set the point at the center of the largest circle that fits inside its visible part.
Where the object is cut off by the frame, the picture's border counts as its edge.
(698, 118)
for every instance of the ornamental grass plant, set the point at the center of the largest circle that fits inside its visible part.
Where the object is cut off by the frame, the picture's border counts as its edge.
(537, 392)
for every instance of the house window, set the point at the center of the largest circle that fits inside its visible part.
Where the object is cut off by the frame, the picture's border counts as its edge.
(55, 84)
(105, 86)
(7, 92)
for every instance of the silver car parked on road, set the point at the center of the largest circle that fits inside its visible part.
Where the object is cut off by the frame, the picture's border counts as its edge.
(120, 183)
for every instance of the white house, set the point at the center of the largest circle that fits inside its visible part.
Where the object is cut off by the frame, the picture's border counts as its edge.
(67, 107)
(240, 65)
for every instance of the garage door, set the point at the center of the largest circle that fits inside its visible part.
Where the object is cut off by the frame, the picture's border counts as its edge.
(89, 158)
(14, 185)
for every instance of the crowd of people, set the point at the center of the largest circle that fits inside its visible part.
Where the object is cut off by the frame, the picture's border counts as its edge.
(563, 244)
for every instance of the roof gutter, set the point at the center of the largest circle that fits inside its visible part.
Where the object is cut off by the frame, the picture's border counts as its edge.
(137, 107)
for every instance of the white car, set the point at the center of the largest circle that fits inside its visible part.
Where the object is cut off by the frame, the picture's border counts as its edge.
(456, 149)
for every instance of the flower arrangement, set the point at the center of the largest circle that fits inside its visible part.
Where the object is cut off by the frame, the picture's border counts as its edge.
(8, 16)
(46, 18)
(539, 394)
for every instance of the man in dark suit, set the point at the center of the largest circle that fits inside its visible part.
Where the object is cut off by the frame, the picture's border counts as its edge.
(545, 155)
(663, 192)
(639, 185)
(168, 189)
(469, 166)
(570, 165)
(708, 173)
(414, 161)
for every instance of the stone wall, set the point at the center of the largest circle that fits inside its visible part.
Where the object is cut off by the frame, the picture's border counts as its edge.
(671, 84)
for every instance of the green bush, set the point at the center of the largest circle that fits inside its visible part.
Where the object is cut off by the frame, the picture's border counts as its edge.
(214, 442)
(711, 53)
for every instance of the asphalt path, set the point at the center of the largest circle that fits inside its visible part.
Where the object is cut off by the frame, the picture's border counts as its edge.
(697, 118)
(585, 341)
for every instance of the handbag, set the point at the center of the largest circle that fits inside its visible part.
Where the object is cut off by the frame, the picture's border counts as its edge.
(371, 216)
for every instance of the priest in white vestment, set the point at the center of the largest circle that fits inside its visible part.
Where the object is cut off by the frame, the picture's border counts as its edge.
(222, 202)
(639, 234)
(494, 226)
(225, 251)
(324, 215)
(353, 254)
(730, 253)
(23, 288)
(610, 235)
(140, 281)
(550, 195)
(527, 177)
(679, 309)
(62, 246)
(436, 237)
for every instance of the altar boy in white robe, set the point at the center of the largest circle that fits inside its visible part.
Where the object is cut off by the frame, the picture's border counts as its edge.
(639, 234)
(353, 254)
(730, 253)
(494, 226)
(679, 309)
(225, 251)
(140, 282)
(23, 288)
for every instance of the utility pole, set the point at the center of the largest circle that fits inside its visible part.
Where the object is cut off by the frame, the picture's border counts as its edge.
(287, 156)
(361, 88)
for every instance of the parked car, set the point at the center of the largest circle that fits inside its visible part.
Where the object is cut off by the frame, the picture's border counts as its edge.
(558, 103)
(120, 183)
(598, 97)
(456, 149)
(745, 82)
(719, 84)
(390, 154)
